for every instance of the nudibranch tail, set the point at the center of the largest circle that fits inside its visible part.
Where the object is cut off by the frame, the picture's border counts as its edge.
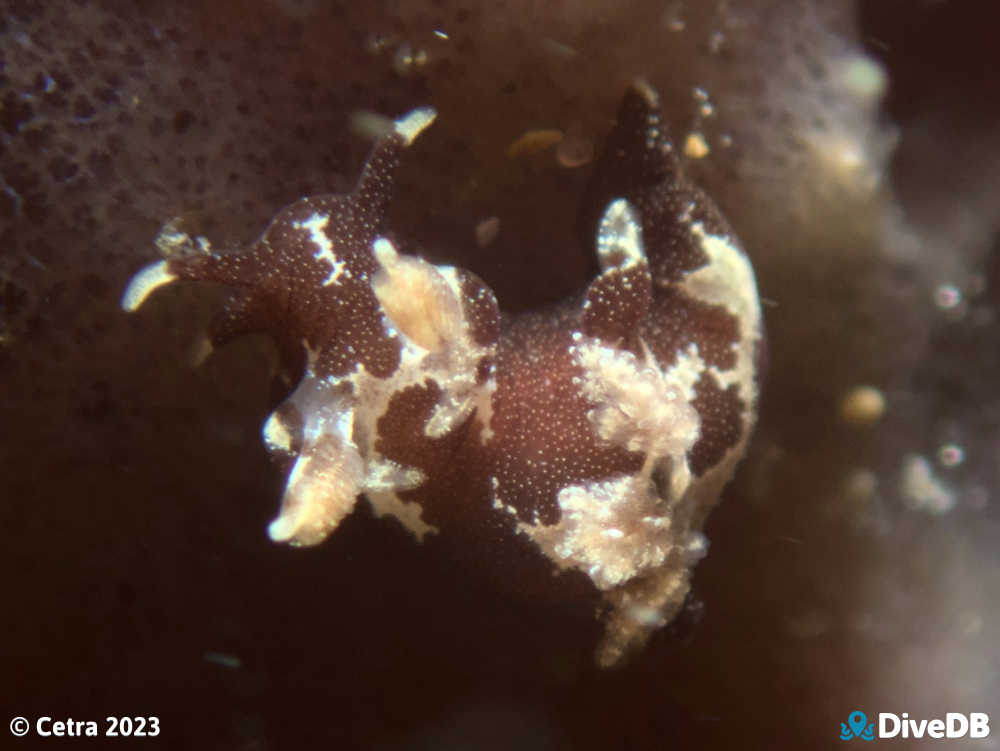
(599, 432)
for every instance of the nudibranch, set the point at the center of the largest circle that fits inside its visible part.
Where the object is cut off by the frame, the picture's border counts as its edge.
(599, 432)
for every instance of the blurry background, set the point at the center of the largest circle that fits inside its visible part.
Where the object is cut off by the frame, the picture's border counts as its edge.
(853, 565)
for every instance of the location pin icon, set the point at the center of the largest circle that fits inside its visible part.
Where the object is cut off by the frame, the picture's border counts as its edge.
(857, 721)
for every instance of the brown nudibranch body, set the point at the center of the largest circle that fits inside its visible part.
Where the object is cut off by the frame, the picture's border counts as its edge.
(603, 431)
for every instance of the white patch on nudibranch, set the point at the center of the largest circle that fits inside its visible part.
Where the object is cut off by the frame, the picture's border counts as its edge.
(613, 530)
(316, 225)
(424, 305)
(276, 435)
(686, 371)
(144, 283)
(619, 236)
(410, 515)
(416, 298)
(636, 404)
(413, 124)
(727, 280)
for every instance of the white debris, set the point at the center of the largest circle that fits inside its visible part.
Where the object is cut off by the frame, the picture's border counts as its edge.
(921, 490)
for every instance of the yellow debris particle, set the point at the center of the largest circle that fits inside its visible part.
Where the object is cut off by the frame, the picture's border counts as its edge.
(533, 141)
(695, 146)
(862, 405)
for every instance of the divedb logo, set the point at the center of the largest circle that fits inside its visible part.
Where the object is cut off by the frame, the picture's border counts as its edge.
(954, 725)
